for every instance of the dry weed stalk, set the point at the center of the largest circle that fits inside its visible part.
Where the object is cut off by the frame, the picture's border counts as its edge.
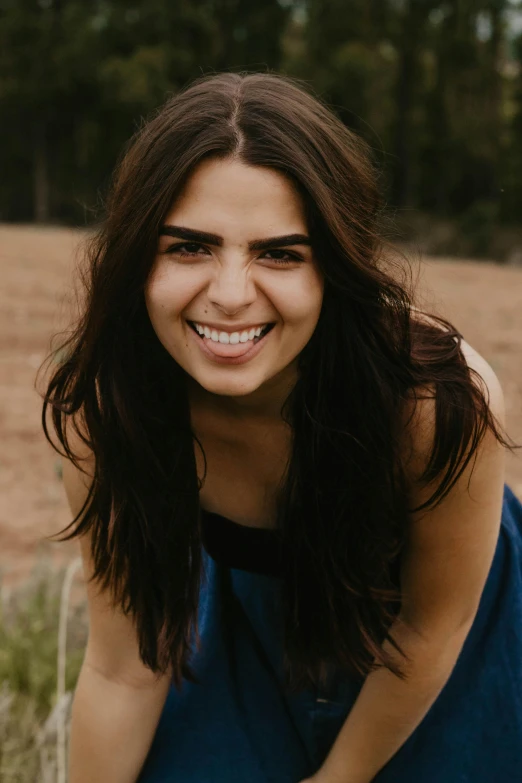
(63, 699)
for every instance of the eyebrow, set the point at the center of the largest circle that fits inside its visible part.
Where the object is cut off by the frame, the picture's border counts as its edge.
(192, 235)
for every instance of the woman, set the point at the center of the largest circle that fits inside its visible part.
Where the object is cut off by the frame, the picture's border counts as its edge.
(287, 482)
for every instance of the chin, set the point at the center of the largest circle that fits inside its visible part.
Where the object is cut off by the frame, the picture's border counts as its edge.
(228, 387)
(231, 390)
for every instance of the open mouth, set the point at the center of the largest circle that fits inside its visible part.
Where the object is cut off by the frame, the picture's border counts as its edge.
(253, 335)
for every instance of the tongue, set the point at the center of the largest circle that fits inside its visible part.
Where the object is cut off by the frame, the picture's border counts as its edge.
(228, 350)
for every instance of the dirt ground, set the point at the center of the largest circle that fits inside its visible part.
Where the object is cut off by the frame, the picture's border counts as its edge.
(483, 300)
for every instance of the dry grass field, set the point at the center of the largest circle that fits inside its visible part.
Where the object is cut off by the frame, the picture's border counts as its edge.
(37, 264)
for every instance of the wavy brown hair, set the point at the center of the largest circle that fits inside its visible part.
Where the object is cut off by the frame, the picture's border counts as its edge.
(343, 508)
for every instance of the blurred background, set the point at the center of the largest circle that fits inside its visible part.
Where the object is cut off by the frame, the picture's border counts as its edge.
(434, 87)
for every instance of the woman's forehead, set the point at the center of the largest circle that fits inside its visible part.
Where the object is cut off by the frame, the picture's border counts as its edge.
(227, 197)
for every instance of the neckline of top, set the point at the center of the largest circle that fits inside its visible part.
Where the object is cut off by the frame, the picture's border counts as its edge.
(237, 525)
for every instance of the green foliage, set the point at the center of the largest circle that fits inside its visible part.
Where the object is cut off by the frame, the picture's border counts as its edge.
(29, 640)
(511, 151)
(139, 80)
(433, 86)
(478, 224)
(28, 668)
(76, 78)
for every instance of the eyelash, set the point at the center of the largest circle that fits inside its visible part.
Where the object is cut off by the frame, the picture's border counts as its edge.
(178, 249)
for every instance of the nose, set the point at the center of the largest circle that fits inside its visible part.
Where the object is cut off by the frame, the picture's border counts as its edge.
(231, 289)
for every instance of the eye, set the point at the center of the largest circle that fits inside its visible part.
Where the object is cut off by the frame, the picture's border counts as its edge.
(187, 249)
(282, 256)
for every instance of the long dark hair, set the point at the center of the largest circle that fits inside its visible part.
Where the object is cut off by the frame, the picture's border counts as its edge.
(343, 508)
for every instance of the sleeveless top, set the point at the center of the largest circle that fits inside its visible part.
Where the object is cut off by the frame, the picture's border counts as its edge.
(239, 722)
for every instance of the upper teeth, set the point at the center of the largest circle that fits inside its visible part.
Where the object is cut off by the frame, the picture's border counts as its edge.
(228, 337)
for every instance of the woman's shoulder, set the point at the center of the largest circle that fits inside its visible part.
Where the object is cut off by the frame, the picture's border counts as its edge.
(481, 370)
(77, 474)
(420, 413)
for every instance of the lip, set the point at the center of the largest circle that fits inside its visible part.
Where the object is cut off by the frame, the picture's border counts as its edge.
(229, 328)
(230, 360)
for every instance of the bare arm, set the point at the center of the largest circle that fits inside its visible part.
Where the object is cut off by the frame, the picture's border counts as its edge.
(444, 571)
(118, 700)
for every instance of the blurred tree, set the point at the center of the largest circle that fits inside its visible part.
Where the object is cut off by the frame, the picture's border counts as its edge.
(408, 31)
(349, 58)
(512, 152)
(47, 52)
(424, 81)
(464, 106)
(76, 77)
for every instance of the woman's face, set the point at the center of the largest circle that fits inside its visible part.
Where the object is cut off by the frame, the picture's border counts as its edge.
(235, 292)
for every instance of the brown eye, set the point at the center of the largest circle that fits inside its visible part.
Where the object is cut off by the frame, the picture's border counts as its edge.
(282, 256)
(187, 249)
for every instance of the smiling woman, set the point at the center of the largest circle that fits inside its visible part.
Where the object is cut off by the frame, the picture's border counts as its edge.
(255, 296)
(302, 560)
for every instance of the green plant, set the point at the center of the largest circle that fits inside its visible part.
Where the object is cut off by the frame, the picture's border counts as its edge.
(29, 624)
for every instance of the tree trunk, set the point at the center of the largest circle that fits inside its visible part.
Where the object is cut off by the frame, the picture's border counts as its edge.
(40, 176)
(495, 97)
(412, 27)
(402, 179)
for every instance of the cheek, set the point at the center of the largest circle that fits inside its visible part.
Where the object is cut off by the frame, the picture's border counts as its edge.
(167, 292)
(300, 301)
